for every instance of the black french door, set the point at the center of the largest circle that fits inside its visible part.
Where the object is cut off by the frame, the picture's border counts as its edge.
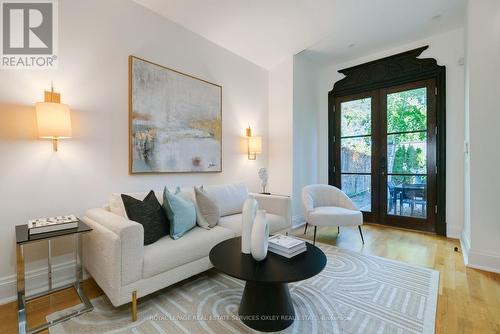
(385, 153)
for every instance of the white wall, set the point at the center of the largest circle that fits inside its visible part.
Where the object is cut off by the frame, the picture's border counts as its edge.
(481, 236)
(281, 127)
(293, 140)
(95, 40)
(465, 237)
(305, 134)
(448, 50)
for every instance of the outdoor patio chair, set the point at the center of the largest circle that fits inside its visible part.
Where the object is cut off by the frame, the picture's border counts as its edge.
(413, 196)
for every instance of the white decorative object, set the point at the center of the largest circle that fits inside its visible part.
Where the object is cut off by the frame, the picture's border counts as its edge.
(263, 176)
(260, 236)
(250, 208)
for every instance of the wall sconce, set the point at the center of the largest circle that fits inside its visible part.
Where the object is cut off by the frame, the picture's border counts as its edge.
(254, 145)
(53, 118)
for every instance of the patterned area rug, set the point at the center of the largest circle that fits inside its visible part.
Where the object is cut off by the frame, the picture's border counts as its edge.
(355, 293)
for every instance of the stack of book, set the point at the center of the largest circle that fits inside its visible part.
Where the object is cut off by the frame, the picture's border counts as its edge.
(44, 225)
(286, 246)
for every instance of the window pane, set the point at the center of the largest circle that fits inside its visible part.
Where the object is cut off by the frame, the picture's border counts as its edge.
(407, 153)
(407, 111)
(407, 196)
(356, 117)
(358, 188)
(356, 154)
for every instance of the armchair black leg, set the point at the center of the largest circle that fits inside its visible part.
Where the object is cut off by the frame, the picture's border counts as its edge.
(305, 230)
(361, 233)
(314, 238)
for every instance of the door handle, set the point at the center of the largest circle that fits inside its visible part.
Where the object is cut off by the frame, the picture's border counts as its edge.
(383, 166)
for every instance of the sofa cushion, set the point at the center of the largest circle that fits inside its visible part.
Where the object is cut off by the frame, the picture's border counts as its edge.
(229, 198)
(149, 214)
(166, 253)
(336, 216)
(233, 222)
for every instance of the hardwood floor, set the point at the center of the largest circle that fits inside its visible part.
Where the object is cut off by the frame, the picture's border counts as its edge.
(38, 309)
(469, 299)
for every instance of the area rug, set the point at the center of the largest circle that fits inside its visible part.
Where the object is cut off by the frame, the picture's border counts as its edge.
(355, 293)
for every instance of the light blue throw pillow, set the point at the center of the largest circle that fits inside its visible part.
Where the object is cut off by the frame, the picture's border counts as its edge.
(180, 212)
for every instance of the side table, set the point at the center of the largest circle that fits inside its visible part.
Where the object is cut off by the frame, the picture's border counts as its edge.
(23, 238)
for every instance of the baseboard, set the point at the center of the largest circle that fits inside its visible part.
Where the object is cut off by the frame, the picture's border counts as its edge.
(483, 260)
(37, 281)
(297, 221)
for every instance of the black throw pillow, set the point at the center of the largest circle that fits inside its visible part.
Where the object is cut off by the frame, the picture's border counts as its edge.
(149, 214)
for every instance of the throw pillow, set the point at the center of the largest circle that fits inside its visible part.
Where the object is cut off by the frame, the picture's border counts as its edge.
(149, 214)
(180, 212)
(229, 197)
(208, 213)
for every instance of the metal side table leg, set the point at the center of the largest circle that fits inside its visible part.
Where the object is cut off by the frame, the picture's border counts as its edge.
(49, 262)
(79, 276)
(20, 285)
(77, 285)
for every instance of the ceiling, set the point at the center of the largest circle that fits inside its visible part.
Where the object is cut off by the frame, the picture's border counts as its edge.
(267, 31)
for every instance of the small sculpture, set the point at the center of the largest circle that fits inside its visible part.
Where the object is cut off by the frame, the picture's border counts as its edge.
(263, 179)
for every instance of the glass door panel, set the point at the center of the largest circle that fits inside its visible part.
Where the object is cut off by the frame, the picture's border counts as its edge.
(356, 117)
(407, 196)
(407, 153)
(407, 111)
(356, 151)
(358, 188)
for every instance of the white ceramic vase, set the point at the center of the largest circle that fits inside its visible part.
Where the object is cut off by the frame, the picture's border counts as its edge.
(250, 208)
(260, 236)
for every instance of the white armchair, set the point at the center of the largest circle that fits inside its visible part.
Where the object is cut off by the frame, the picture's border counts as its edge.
(326, 205)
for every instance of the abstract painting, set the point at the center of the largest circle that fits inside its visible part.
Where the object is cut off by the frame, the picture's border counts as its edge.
(175, 121)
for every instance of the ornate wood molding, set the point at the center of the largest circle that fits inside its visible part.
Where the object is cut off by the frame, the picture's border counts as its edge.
(389, 71)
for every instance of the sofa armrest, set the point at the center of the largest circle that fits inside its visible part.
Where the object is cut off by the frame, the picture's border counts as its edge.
(278, 205)
(123, 238)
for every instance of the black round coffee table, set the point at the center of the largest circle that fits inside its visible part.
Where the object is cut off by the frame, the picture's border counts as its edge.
(266, 304)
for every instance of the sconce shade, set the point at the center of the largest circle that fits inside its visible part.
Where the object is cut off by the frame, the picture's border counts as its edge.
(53, 120)
(255, 145)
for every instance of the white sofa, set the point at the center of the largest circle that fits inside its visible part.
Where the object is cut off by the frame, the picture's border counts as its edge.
(115, 256)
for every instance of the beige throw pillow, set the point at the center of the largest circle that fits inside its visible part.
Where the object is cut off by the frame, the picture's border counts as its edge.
(208, 213)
